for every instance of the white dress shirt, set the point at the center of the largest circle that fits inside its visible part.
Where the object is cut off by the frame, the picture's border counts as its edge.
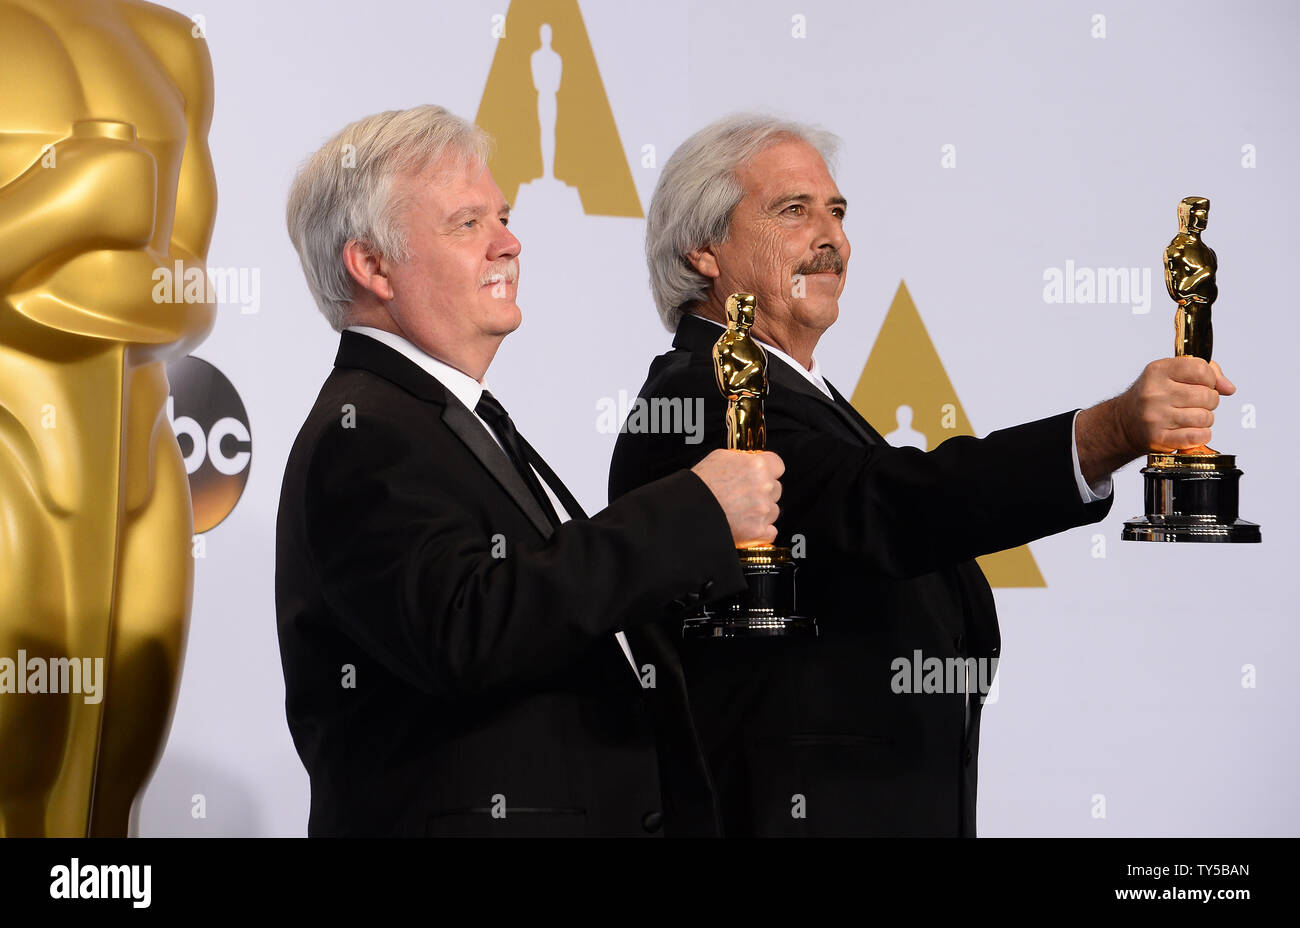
(1087, 493)
(468, 390)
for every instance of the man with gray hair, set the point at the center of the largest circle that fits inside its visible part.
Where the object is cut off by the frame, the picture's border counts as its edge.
(806, 736)
(449, 619)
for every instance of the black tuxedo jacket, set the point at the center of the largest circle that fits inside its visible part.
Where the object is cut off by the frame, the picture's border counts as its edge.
(808, 736)
(450, 662)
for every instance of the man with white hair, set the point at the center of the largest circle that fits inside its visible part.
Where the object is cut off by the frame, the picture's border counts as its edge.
(808, 736)
(449, 619)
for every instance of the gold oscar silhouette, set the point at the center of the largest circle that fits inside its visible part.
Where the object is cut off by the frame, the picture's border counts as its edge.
(558, 146)
(1191, 495)
(740, 368)
(767, 607)
(105, 178)
(1191, 270)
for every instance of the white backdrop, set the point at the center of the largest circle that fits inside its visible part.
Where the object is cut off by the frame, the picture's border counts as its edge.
(1123, 678)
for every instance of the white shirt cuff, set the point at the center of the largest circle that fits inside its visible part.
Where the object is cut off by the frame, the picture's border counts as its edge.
(1099, 490)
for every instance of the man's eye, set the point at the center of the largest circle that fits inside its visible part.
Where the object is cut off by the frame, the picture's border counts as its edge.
(468, 223)
(795, 209)
(505, 220)
(838, 213)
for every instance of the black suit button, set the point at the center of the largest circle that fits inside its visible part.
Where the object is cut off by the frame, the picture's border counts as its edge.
(652, 821)
(707, 588)
(959, 642)
(969, 756)
(692, 598)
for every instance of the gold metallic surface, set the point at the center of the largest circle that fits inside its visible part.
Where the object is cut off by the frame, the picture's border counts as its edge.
(105, 178)
(764, 554)
(1191, 496)
(1211, 461)
(1190, 268)
(740, 367)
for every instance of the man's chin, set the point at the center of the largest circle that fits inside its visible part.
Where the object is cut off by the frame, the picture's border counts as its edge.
(819, 314)
(505, 317)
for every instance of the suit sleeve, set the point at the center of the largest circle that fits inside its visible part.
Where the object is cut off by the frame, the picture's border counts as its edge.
(908, 512)
(901, 512)
(426, 593)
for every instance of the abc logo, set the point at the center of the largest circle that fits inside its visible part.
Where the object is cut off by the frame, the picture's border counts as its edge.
(211, 427)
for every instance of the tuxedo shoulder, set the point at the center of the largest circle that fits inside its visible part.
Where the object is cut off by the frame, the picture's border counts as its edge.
(360, 415)
(680, 373)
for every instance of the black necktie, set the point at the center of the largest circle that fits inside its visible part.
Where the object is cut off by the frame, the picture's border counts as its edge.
(494, 414)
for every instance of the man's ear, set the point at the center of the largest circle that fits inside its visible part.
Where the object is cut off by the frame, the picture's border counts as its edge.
(704, 261)
(368, 268)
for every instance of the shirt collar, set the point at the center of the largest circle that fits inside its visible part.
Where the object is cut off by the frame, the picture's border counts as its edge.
(813, 375)
(460, 384)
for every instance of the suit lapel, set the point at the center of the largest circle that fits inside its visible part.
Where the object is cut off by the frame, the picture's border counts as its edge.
(360, 351)
(575, 511)
(698, 335)
(476, 438)
(780, 373)
(873, 437)
(557, 486)
(365, 353)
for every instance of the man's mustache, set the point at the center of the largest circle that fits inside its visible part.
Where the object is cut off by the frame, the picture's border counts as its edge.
(506, 270)
(825, 261)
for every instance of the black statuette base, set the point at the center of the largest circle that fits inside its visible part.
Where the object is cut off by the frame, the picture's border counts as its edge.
(1191, 498)
(765, 609)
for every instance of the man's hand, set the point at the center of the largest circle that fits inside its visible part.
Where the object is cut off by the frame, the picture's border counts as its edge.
(747, 485)
(1169, 408)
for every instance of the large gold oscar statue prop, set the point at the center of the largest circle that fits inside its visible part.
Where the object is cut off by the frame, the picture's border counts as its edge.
(1191, 495)
(106, 183)
(767, 607)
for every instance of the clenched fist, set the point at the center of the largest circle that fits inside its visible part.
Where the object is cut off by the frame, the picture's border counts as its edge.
(1170, 407)
(747, 486)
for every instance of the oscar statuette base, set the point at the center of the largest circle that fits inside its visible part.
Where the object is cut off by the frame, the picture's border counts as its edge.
(765, 609)
(1191, 498)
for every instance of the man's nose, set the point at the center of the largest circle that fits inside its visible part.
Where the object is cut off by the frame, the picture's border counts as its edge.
(831, 235)
(504, 244)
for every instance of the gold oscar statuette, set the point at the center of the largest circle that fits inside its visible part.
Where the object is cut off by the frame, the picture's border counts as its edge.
(1191, 495)
(106, 182)
(767, 607)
